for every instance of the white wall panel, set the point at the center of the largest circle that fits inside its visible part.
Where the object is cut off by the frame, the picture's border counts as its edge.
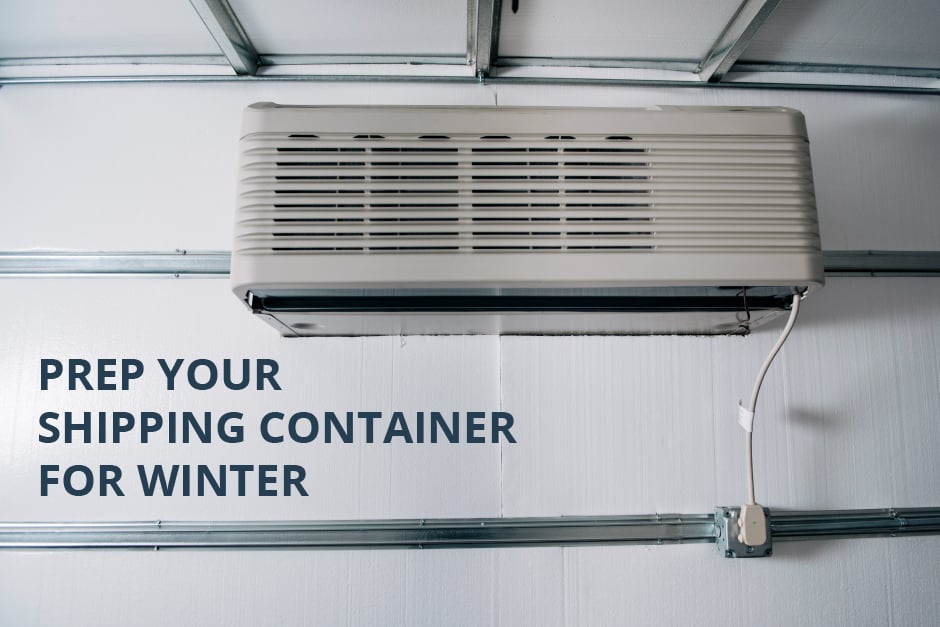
(847, 417)
(869, 582)
(840, 582)
(147, 588)
(609, 425)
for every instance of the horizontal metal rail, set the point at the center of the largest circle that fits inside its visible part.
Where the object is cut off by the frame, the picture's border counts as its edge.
(834, 69)
(882, 263)
(854, 523)
(79, 264)
(864, 263)
(448, 69)
(457, 533)
(372, 534)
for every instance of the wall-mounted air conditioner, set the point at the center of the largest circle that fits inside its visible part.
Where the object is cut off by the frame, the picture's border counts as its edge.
(427, 220)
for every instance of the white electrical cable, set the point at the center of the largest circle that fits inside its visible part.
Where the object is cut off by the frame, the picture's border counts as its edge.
(746, 416)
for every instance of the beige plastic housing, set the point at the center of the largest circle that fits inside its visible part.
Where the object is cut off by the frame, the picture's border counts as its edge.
(388, 220)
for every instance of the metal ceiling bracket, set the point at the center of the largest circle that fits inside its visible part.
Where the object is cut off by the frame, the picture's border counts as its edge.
(228, 33)
(735, 38)
(483, 35)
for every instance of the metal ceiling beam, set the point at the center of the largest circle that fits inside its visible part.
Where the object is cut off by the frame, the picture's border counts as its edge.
(599, 62)
(269, 61)
(831, 69)
(844, 81)
(381, 71)
(483, 18)
(194, 60)
(228, 33)
(841, 78)
(862, 263)
(656, 529)
(735, 38)
(832, 78)
(99, 69)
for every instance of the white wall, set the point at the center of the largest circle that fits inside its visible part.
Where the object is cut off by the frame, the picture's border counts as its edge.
(605, 425)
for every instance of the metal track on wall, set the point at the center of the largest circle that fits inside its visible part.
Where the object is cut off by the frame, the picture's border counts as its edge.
(183, 263)
(656, 529)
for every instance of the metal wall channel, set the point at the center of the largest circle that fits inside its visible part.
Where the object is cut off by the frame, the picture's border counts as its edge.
(859, 263)
(456, 533)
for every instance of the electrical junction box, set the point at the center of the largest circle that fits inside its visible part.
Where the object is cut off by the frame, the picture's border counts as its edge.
(727, 530)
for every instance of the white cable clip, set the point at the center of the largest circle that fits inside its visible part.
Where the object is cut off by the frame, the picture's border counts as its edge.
(745, 418)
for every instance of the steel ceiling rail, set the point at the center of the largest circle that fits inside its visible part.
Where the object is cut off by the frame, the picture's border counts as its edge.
(843, 80)
(655, 529)
(223, 25)
(676, 65)
(269, 61)
(194, 60)
(483, 18)
(828, 77)
(864, 263)
(829, 69)
(735, 38)
(168, 68)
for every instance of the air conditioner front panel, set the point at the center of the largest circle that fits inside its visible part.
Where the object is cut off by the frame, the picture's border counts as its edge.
(435, 199)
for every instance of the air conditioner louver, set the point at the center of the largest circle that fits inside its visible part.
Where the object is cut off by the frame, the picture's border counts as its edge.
(520, 218)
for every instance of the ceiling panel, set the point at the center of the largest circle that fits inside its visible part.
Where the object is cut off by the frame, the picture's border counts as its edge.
(613, 29)
(370, 27)
(69, 28)
(893, 33)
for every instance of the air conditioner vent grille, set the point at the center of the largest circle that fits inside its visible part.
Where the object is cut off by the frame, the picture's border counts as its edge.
(343, 193)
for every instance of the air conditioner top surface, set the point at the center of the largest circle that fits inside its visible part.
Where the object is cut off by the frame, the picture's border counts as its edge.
(423, 120)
